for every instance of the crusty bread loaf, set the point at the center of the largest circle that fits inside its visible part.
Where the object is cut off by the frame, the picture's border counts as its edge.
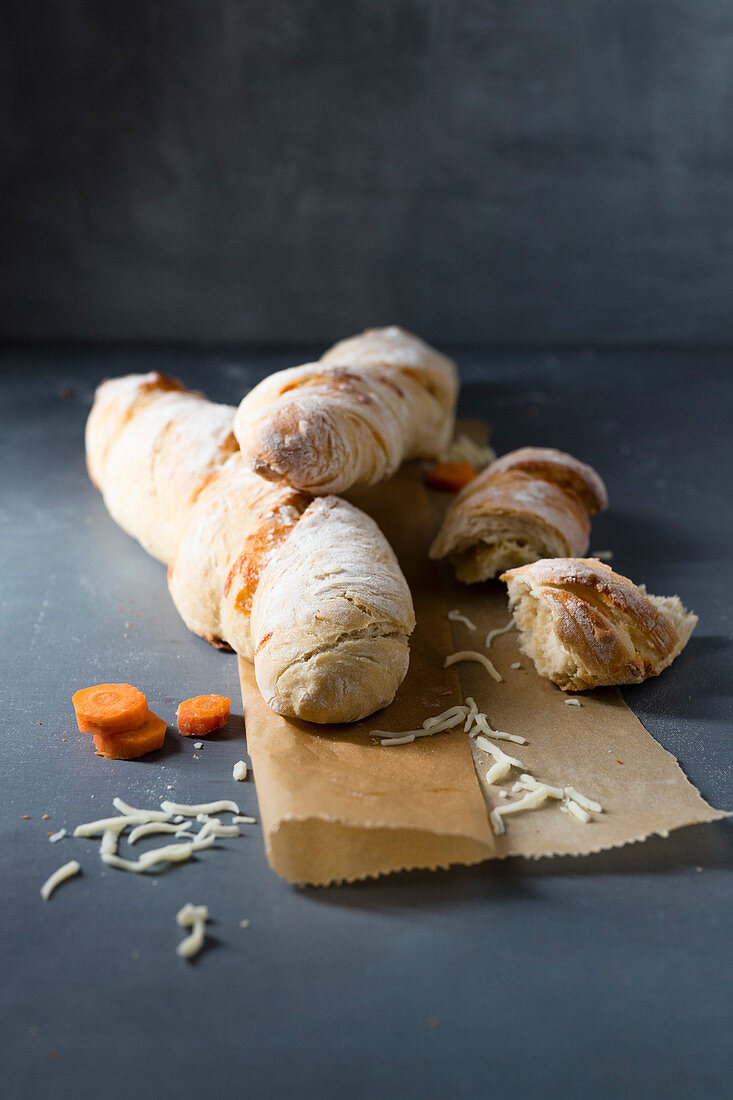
(531, 503)
(372, 402)
(326, 620)
(585, 626)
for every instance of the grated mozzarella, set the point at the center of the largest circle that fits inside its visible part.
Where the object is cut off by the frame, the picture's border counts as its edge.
(170, 853)
(223, 806)
(578, 811)
(583, 800)
(456, 617)
(495, 633)
(573, 702)
(150, 815)
(239, 771)
(152, 827)
(195, 918)
(68, 870)
(499, 735)
(472, 655)
(530, 801)
(55, 837)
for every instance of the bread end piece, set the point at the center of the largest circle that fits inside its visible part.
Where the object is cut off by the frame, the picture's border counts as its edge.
(585, 626)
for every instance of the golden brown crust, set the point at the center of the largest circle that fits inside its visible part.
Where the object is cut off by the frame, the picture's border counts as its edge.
(558, 467)
(586, 626)
(507, 520)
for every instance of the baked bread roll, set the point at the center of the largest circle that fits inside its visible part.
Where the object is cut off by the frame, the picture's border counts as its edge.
(325, 616)
(585, 626)
(532, 503)
(372, 402)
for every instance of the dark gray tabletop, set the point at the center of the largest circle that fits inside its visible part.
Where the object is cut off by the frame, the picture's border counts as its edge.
(608, 976)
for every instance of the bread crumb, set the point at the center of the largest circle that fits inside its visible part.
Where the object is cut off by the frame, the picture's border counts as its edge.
(198, 744)
(25, 817)
(45, 817)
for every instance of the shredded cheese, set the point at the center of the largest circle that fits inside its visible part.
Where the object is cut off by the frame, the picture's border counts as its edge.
(68, 870)
(212, 826)
(153, 827)
(93, 828)
(223, 806)
(495, 633)
(471, 714)
(55, 837)
(503, 765)
(516, 664)
(578, 811)
(244, 820)
(573, 702)
(602, 555)
(170, 853)
(195, 918)
(582, 800)
(456, 617)
(498, 735)
(472, 655)
(463, 449)
(239, 771)
(530, 801)
(150, 815)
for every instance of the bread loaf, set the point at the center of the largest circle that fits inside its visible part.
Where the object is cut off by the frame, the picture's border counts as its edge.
(532, 503)
(308, 590)
(352, 418)
(585, 626)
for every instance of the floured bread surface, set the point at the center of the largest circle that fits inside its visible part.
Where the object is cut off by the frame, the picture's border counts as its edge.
(561, 469)
(163, 447)
(529, 504)
(331, 618)
(237, 522)
(353, 417)
(507, 520)
(585, 626)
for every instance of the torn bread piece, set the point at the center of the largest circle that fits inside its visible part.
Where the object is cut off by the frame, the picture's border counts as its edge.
(530, 504)
(585, 626)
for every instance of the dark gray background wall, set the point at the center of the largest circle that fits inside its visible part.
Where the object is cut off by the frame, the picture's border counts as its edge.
(517, 171)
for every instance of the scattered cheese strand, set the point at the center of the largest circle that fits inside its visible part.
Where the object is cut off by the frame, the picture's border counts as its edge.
(602, 555)
(195, 918)
(573, 702)
(109, 841)
(446, 721)
(503, 765)
(239, 771)
(388, 738)
(463, 449)
(153, 827)
(495, 633)
(578, 811)
(582, 800)
(68, 870)
(531, 801)
(92, 828)
(471, 715)
(212, 826)
(499, 735)
(170, 853)
(516, 664)
(224, 806)
(529, 783)
(456, 617)
(150, 815)
(472, 655)
(55, 837)
(244, 820)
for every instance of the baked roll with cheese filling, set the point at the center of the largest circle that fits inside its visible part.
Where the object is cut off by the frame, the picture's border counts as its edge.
(309, 590)
(352, 418)
(532, 503)
(585, 626)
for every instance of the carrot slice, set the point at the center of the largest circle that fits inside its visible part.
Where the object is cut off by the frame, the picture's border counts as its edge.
(111, 708)
(451, 476)
(132, 743)
(202, 714)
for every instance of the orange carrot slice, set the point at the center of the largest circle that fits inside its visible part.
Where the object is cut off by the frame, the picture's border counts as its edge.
(202, 714)
(109, 708)
(132, 743)
(451, 476)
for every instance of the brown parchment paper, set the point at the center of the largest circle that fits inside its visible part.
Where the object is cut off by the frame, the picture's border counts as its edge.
(337, 806)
